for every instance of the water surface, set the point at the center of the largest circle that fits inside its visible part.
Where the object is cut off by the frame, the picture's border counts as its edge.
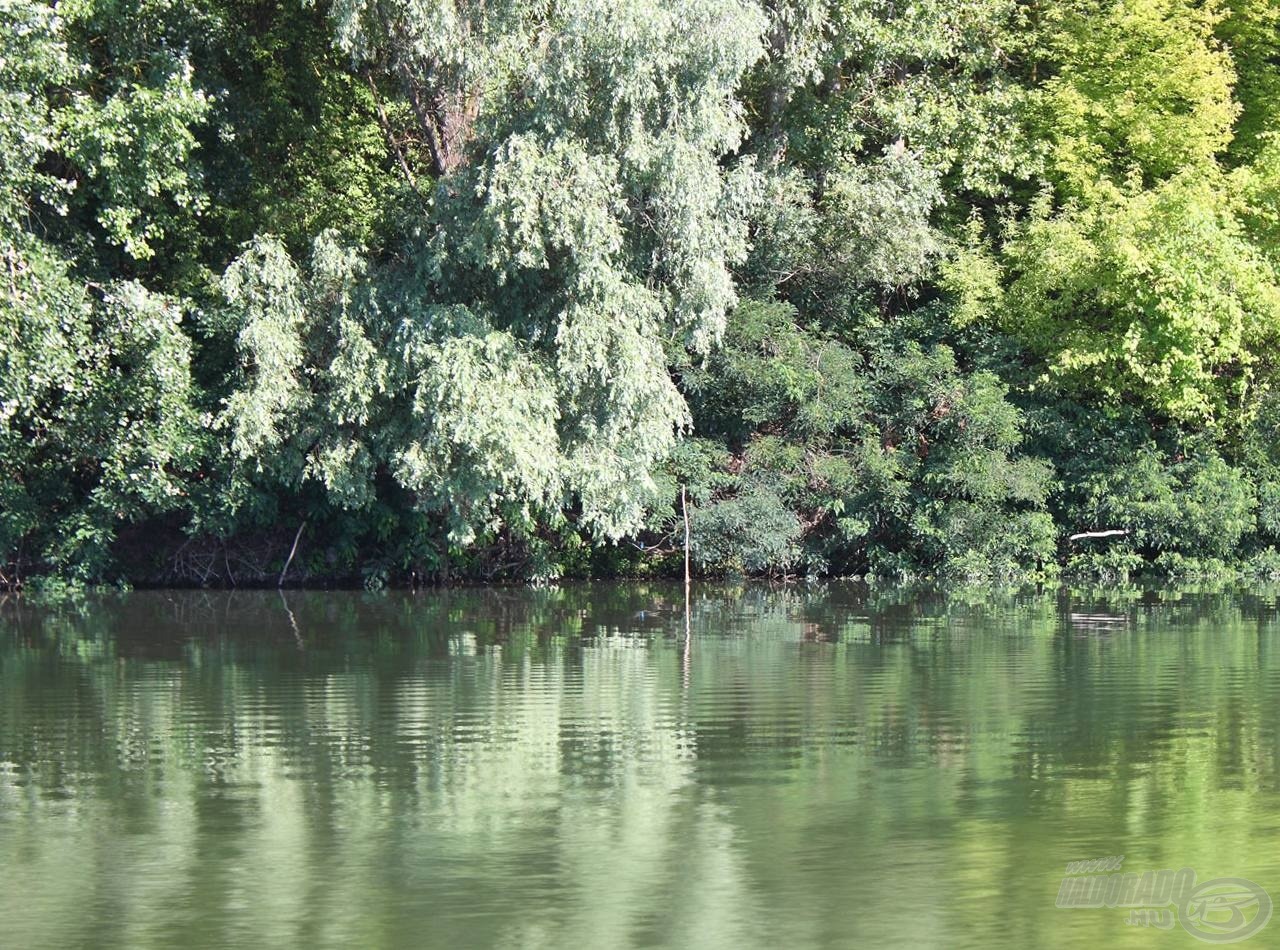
(564, 768)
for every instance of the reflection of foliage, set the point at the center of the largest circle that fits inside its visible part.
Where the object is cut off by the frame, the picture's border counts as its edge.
(518, 747)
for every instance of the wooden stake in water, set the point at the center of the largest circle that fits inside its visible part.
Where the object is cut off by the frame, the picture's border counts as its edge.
(684, 506)
(292, 551)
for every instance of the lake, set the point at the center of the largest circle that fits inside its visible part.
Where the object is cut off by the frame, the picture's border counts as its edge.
(811, 767)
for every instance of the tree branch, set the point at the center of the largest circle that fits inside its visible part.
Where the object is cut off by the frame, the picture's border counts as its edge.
(292, 551)
(1099, 534)
(392, 144)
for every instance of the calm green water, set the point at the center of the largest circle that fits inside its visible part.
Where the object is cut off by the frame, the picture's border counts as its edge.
(506, 768)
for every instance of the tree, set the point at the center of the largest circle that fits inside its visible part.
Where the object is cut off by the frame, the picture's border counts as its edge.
(97, 418)
(581, 224)
(1138, 91)
(1130, 275)
(1157, 296)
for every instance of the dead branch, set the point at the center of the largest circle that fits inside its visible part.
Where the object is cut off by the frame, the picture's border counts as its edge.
(1099, 534)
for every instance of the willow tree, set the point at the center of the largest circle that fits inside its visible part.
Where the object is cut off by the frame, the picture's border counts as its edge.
(579, 211)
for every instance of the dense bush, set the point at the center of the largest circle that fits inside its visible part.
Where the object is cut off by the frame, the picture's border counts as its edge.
(884, 458)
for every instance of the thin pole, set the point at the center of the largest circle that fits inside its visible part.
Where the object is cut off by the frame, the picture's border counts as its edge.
(292, 551)
(684, 505)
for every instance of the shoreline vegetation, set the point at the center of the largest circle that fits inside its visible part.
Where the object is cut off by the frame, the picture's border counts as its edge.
(382, 294)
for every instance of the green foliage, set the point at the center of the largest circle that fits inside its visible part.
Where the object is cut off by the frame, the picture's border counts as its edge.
(477, 288)
(1141, 89)
(291, 144)
(33, 56)
(752, 531)
(515, 364)
(1199, 506)
(1157, 296)
(1133, 274)
(124, 126)
(892, 459)
(1250, 29)
(96, 407)
(849, 78)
